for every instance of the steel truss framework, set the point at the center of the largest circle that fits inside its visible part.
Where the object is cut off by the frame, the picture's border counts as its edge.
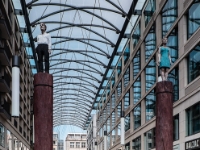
(79, 72)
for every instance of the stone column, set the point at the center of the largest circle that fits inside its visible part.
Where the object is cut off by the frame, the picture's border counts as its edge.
(164, 115)
(43, 111)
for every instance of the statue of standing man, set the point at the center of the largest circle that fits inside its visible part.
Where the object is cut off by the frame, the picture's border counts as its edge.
(44, 48)
(164, 59)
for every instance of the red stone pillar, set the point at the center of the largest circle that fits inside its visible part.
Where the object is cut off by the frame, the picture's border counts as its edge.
(43, 111)
(164, 115)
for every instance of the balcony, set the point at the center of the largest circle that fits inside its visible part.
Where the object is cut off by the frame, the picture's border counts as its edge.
(4, 86)
(5, 110)
(4, 61)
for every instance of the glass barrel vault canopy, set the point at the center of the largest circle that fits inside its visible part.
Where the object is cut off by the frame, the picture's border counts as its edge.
(84, 35)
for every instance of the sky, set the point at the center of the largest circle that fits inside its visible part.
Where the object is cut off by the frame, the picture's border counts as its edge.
(63, 130)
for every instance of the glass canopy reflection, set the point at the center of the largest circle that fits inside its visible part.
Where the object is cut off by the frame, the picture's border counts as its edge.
(84, 36)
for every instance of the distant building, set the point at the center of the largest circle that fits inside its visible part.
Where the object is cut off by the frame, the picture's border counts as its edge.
(76, 141)
(60, 144)
(91, 134)
(55, 141)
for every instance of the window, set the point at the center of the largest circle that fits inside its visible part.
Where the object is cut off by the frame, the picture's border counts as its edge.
(126, 77)
(193, 119)
(108, 141)
(150, 43)
(71, 144)
(2, 135)
(149, 10)
(136, 90)
(150, 105)
(150, 139)
(137, 116)
(150, 73)
(113, 119)
(83, 145)
(176, 127)
(108, 125)
(174, 78)
(113, 100)
(127, 122)
(119, 108)
(126, 53)
(119, 130)
(119, 67)
(127, 146)
(194, 64)
(126, 100)
(113, 137)
(77, 144)
(193, 18)
(113, 80)
(136, 64)
(136, 144)
(9, 140)
(136, 35)
(169, 15)
(119, 89)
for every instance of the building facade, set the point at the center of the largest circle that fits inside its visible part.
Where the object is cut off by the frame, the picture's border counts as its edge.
(15, 132)
(76, 141)
(131, 84)
(91, 134)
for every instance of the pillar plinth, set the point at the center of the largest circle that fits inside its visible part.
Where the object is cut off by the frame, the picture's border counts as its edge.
(164, 115)
(43, 111)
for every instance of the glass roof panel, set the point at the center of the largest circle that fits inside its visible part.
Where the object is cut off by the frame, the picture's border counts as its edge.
(84, 36)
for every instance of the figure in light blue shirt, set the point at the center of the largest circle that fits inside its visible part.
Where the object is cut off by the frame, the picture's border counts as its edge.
(164, 59)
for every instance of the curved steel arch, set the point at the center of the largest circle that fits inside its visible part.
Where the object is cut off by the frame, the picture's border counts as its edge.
(74, 119)
(85, 54)
(76, 83)
(109, 41)
(80, 51)
(77, 25)
(71, 114)
(74, 69)
(75, 8)
(80, 108)
(85, 112)
(81, 80)
(57, 90)
(66, 120)
(84, 43)
(76, 102)
(83, 94)
(74, 124)
(85, 77)
(81, 64)
(76, 99)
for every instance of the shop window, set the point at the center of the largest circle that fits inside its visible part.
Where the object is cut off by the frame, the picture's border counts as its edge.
(136, 35)
(174, 78)
(172, 43)
(169, 15)
(119, 108)
(119, 89)
(150, 43)
(176, 127)
(150, 139)
(126, 77)
(150, 105)
(127, 146)
(126, 53)
(113, 119)
(2, 135)
(193, 119)
(150, 74)
(126, 100)
(136, 144)
(136, 90)
(149, 10)
(127, 122)
(193, 18)
(137, 116)
(136, 64)
(194, 64)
